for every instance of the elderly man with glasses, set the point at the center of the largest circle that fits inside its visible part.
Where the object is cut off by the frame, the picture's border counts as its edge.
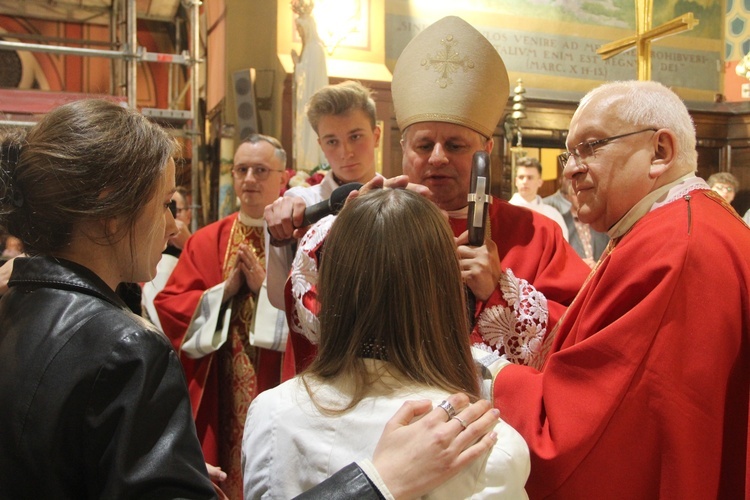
(646, 388)
(212, 305)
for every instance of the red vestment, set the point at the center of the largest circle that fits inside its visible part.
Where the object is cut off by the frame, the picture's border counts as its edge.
(645, 393)
(528, 243)
(221, 384)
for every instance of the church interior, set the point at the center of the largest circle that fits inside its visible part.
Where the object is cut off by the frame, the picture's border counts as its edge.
(175, 324)
(210, 71)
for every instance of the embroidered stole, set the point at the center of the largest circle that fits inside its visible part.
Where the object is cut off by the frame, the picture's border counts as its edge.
(237, 361)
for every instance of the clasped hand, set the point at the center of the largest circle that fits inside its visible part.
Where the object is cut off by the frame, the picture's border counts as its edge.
(247, 269)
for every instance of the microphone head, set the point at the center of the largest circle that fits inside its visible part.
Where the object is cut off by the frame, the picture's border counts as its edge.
(331, 206)
(340, 194)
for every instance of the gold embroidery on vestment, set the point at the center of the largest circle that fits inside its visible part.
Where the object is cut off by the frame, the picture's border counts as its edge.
(237, 361)
(447, 61)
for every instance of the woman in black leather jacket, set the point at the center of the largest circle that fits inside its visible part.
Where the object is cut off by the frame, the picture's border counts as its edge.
(94, 402)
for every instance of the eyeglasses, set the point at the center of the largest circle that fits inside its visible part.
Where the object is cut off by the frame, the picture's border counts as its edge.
(260, 172)
(174, 209)
(586, 149)
(722, 187)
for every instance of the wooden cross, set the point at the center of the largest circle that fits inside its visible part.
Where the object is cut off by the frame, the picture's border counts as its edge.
(645, 35)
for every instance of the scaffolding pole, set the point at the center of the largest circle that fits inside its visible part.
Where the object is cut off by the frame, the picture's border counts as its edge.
(115, 69)
(195, 171)
(131, 65)
(57, 49)
(140, 55)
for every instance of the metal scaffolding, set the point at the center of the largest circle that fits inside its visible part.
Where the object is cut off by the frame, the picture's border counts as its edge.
(123, 36)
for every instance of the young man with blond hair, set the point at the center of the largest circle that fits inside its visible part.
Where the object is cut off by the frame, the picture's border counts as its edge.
(343, 116)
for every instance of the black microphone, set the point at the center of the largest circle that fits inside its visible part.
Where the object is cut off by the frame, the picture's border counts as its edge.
(331, 206)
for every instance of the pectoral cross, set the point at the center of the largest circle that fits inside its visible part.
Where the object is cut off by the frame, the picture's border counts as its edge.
(645, 35)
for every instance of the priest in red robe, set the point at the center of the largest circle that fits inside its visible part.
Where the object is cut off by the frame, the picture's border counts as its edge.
(646, 389)
(526, 274)
(213, 309)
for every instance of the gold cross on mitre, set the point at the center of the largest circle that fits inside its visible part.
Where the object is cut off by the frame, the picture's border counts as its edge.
(645, 35)
(447, 61)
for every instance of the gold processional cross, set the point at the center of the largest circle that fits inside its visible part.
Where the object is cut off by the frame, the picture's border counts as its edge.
(645, 35)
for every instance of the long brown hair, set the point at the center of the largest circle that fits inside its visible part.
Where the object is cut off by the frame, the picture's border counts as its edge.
(390, 278)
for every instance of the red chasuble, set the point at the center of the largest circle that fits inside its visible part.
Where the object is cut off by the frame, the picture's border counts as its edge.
(532, 247)
(221, 384)
(645, 393)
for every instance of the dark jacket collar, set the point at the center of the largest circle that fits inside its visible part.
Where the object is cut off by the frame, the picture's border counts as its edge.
(52, 272)
(172, 250)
